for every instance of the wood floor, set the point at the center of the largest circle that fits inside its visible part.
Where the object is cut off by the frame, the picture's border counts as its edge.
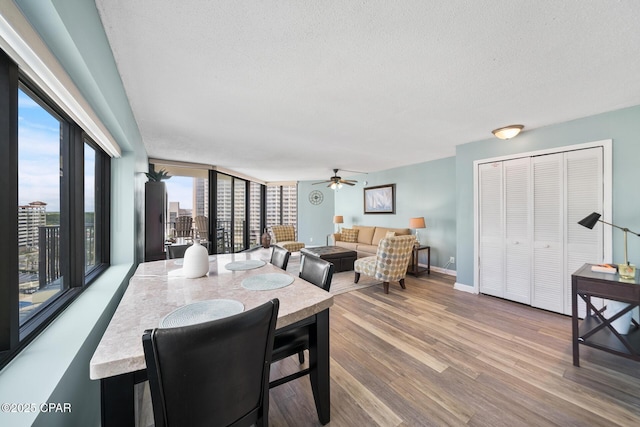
(430, 355)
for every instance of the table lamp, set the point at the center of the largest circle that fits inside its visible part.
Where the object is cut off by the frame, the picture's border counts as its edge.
(338, 219)
(626, 270)
(417, 223)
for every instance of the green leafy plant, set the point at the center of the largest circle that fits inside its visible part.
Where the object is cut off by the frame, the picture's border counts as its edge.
(157, 176)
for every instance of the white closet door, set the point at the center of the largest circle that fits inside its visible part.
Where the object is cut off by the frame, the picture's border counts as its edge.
(491, 229)
(548, 241)
(583, 175)
(517, 242)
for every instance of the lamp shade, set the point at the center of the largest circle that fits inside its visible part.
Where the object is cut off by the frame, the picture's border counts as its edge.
(590, 221)
(417, 223)
(507, 132)
(338, 219)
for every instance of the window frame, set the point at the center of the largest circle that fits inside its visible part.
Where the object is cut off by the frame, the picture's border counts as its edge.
(14, 336)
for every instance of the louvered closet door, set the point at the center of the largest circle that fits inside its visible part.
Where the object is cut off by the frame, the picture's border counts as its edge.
(583, 175)
(517, 242)
(491, 274)
(548, 234)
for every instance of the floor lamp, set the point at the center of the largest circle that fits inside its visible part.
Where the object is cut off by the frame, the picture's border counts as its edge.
(626, 270)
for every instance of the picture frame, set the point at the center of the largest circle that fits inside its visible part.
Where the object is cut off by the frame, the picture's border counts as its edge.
(380, 199)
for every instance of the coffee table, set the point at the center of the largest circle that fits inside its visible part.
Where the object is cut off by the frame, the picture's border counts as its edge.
(341, 258)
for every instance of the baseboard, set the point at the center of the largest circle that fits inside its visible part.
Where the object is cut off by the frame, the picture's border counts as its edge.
(440, 270)
(464, 288)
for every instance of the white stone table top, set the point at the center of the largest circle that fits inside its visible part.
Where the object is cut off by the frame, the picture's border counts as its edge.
(157, 289)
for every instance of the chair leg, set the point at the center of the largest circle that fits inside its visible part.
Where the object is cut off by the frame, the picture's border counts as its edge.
(301, 357)
(355, 280)
(386, 287)
(402, 284)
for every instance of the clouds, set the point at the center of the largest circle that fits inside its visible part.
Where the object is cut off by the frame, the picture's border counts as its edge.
(38, 155)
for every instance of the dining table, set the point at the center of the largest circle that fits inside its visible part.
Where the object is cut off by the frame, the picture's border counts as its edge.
(158, 294)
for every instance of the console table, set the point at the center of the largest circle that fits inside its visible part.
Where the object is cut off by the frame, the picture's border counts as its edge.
(414, 268)
(595, 330)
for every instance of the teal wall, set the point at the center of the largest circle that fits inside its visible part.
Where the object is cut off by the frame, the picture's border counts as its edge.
(622, 126)
(315, 222)
(54, 367)
(424, 189)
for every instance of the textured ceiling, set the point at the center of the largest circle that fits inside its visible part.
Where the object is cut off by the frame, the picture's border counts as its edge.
(288, 90)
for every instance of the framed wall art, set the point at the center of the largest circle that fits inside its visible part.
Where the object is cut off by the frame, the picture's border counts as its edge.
(380, 199)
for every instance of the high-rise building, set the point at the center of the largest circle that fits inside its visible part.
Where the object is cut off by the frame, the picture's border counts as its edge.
(200, 196)
(30, 218)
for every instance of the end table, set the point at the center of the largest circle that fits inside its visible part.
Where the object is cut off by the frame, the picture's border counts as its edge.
(414, 268)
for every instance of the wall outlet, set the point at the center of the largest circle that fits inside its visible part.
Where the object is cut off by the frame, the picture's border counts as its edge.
(452, 260)
(310, 239)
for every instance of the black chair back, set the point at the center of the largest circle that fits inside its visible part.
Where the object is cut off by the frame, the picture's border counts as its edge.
(214, 373)
(280, 257)
(176, 251)
(317, 271)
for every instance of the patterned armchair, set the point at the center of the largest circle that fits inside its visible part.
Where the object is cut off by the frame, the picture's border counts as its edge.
(390, 263)
(285, 237)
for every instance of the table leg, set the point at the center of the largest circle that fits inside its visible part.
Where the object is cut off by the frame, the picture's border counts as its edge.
(117, 400)
(319, 365)
(574, 321)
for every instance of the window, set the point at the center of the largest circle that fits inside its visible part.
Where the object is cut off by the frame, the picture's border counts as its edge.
(55, 190)
(41, 275)
(255, 213)
(282, 205)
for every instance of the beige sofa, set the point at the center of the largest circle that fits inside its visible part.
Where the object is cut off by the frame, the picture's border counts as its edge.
(367, 239)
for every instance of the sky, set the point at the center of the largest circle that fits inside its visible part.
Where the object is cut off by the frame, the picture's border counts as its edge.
(180, 189)
(39, 157)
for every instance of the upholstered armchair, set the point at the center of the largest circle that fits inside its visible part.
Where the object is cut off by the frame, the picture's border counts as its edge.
(390, 262)
(285, 237)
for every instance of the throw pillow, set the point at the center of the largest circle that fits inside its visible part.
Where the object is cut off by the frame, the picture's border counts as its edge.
(349, 235)
(390, 234)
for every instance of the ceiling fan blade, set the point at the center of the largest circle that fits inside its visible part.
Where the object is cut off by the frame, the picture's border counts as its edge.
(320, 182)
(348, 180)
(348, 183)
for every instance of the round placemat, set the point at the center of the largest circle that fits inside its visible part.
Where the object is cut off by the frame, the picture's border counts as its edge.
(267, 282)
(201, 311)
(248, 264)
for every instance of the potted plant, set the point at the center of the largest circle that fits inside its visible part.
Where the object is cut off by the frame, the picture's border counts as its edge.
(156, 176)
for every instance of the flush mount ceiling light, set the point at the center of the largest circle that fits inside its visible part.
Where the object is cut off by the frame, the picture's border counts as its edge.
(507, 132)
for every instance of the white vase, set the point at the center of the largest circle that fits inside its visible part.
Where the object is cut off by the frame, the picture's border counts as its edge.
(196, 261)
(623, 323)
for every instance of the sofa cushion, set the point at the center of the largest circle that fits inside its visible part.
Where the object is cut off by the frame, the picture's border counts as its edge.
(350, 235)
(381, 232)
(365, 233)
(348, 245)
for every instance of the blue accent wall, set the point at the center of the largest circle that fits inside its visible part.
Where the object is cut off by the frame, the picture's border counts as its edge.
(622, 126)
(315, 222)
(424, 189)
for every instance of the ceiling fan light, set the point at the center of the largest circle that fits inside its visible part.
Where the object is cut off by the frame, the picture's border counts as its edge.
(333, 186)
(507, 132)
(339, 185)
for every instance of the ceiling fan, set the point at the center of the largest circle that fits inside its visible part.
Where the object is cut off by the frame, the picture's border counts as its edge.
(336, 182)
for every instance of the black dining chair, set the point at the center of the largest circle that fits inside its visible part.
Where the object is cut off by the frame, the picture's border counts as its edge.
(294, 339)
(213, 373)
(280, 257)
(176, 251)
